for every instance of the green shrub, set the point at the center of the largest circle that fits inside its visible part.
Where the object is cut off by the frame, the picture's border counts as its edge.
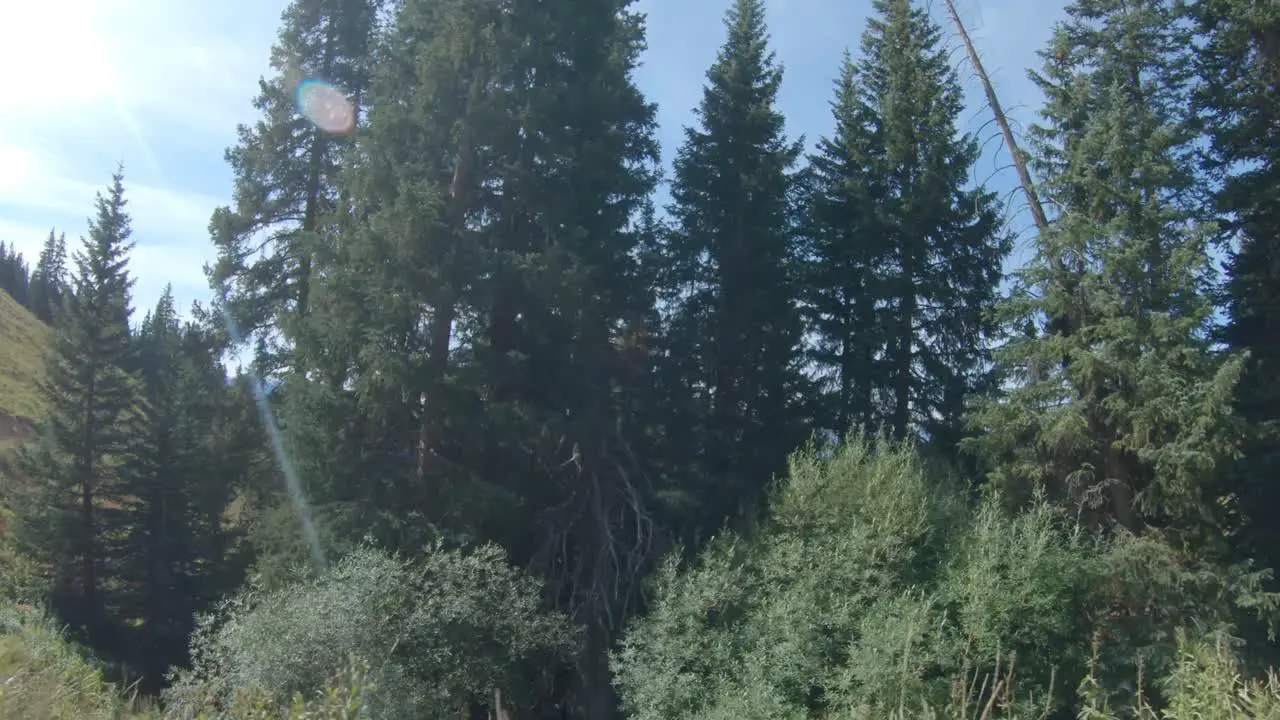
(437, 635)
(876, 590)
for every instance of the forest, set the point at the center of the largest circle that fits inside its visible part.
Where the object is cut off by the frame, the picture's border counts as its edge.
(519, 436)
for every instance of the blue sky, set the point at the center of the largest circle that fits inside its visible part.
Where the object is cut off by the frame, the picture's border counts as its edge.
(161, 85)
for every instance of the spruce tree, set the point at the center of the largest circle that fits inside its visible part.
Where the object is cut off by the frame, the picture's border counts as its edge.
(49, 279)
(845, 247)
(157, 554)
(14, 274)
(75, 471)
(730, 275)
(1238, 104)
(285, 170)
(476, 303)
(1131, 412)
(906, 259)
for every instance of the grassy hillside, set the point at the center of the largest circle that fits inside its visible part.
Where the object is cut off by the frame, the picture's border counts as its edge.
(23, 340)
(44, 676)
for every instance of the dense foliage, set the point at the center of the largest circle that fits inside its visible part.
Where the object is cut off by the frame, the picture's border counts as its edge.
(517, 440)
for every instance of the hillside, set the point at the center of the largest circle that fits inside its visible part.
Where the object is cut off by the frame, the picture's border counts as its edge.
(23, 339)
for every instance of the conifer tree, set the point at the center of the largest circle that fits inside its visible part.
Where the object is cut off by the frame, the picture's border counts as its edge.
(1133, 410)
(475, 306)
(905, 259)
(76, 470)
(730, 275)
(157, 555)
(285, 169)
(49, 279)
(1237, 101)
(845, 249)
(14, 274)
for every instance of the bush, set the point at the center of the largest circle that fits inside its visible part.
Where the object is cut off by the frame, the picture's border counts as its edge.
(438, 635)
(876, 590)
(768, 626)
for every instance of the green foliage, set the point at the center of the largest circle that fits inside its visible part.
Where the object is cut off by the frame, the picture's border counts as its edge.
(439, 635)
(776, 616)
(43, 676)
(15, 276)
(285, 170)
(174, 545)
(905, 258)
(873, 587)
(49, 284)
(68, 504)
(1126, 409)
(1236, 103)
(728, 278)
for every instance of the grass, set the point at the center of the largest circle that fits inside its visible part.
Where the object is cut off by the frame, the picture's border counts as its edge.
(23, 341)
(43, 676)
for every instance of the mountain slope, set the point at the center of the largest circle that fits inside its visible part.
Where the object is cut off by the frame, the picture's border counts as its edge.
(23, 341)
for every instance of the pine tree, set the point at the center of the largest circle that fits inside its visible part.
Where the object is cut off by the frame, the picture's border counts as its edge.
(14, 274)
(474, 306)
(947, 244)
(285, 169)
(846, 246)
(49, 280)
(1134, 406)
(76, 469)
(156, 552)
(1240, 63)
(905, 259)
(730, 275)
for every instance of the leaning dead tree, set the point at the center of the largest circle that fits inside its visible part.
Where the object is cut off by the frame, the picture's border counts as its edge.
(1019, 160)
(1067, 322)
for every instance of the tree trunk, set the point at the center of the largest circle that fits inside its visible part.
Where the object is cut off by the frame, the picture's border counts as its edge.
(1019, 160)
(1067, 323)
(441, 330)
(499, 712)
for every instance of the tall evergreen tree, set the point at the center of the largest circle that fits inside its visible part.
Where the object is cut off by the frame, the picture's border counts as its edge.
(166, 559)
(285, 169)
(475, 305)
(730, 275)
(846, 246)
(76, 470)
(1133, 408)
(1238, 101)
(49, 279)
(906, 259)
(14, 274)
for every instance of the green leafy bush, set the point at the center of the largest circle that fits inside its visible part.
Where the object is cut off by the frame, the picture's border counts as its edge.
(437, 634)
(876, 589)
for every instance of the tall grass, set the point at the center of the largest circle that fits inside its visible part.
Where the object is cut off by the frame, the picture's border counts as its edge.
(44, 676)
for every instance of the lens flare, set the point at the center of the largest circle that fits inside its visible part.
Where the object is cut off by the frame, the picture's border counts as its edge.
(326, 107)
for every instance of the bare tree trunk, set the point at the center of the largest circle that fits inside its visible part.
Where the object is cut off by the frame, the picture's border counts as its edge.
(1019, 160)
(1067, 323)
(499, 712)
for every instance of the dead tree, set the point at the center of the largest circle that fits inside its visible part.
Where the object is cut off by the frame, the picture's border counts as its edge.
(1067, 323)
(1019, 160)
